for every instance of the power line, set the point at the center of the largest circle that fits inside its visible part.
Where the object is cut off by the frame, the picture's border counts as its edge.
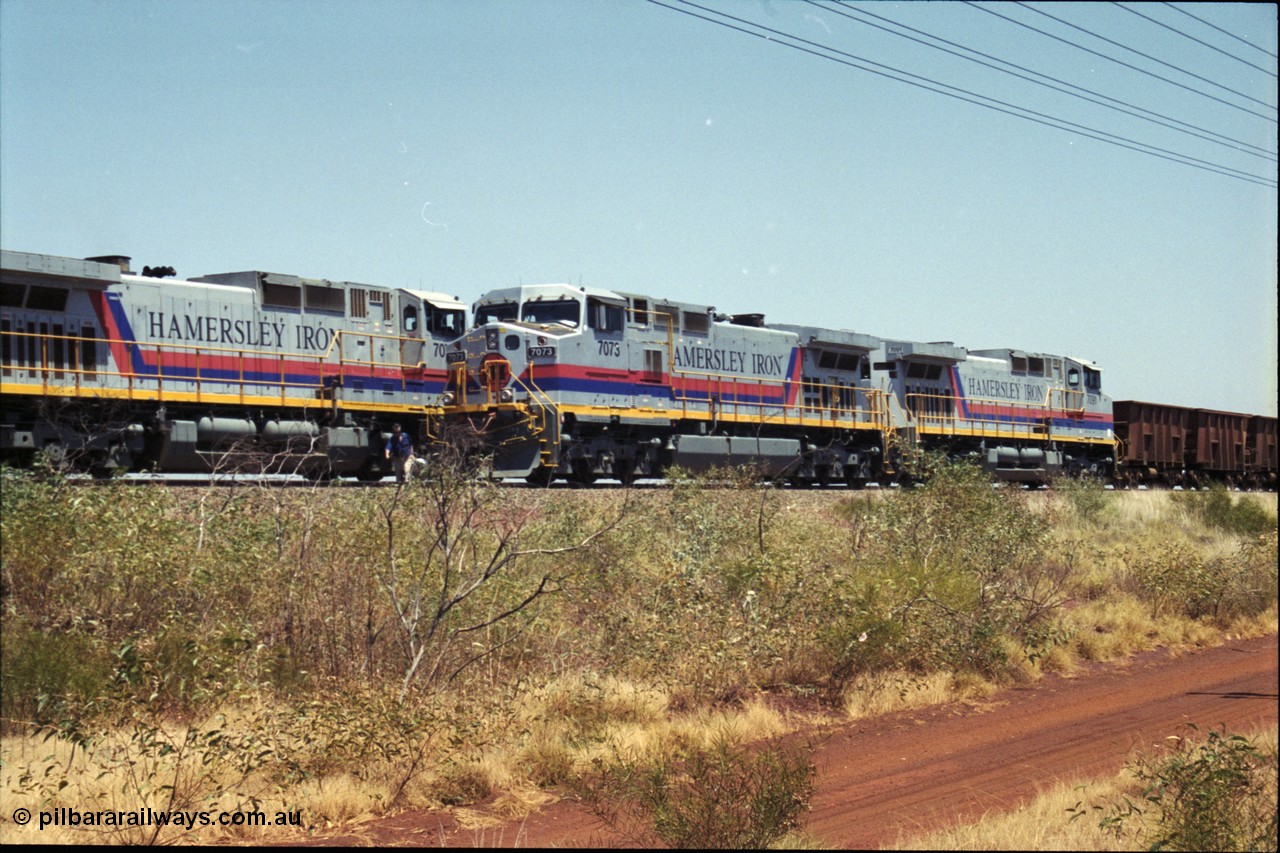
(1222, 139)
(1224, 32)
(1125, 64)
(997, 105)
(1193, 38)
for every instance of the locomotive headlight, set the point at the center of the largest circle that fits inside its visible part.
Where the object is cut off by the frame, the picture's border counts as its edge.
(491, 339)
(506, 395)
(448, 398)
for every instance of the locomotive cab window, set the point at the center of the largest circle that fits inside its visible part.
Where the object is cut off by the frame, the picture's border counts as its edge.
(410, 313)
(445, 323)
(604, 317)
(495, 312)
(547, 312)
(1092, 379)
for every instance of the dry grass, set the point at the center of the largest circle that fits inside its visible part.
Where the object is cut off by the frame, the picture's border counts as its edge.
(1045, 823)
(879, 693)
(565, 725)
(1042, 824)
(114, 776)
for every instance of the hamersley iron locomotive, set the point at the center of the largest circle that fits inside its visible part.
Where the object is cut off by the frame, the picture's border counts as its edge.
(110, 370)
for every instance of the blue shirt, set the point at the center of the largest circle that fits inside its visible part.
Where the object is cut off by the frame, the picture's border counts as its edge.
(400, 446)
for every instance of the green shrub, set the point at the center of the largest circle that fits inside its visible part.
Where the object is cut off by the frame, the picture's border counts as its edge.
(1086, 496)
(1176, 578)
(722, 797)
(1220, 509)
(1220, 795)
(955, 565)
(47, 670)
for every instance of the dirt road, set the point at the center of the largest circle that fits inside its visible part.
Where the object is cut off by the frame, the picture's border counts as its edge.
(927, 769)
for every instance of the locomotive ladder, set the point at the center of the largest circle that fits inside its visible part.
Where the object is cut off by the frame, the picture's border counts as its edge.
(539, 419)
(904, 439)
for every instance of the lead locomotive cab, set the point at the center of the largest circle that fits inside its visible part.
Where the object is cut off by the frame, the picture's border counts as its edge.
(521, 337)
(572, 381)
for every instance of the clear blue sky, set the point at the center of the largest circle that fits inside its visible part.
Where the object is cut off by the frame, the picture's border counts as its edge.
(464, 146)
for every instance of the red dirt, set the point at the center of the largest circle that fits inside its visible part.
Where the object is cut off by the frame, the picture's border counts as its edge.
(914, 771)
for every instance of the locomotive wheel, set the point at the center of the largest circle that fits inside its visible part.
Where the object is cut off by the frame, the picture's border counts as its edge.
(369, 474)
(320, 472)
(541, 476)
(582, 473)
(55, 456)
(104, 468)
(853, 477)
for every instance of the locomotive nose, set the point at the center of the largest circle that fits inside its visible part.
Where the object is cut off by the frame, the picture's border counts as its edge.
(495, 374)
(486, 386)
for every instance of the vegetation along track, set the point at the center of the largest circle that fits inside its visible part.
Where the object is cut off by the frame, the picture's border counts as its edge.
(884, 778)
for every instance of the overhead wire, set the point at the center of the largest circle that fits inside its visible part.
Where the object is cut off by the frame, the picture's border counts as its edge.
(1133, 11)
(1168, 121)
(989, 11)
(1221, 30)
(931, 85)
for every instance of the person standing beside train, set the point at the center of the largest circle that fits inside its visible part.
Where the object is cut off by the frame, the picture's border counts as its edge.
(399, 450)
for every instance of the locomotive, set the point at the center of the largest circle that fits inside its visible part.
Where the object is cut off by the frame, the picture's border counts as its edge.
(582, 383)
(108, 370)
(119, 371)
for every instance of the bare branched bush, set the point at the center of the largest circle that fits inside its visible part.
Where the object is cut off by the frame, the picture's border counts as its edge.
(471, 539)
